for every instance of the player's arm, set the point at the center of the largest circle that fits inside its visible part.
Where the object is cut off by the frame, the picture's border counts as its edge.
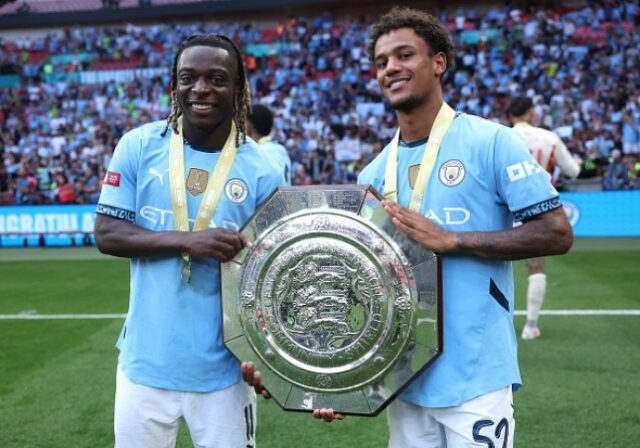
(545, 234)
(125, 239)
(565, 161)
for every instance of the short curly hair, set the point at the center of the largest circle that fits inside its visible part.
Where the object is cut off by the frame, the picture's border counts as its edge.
(519, 106)
(261, 118)
(423, 24)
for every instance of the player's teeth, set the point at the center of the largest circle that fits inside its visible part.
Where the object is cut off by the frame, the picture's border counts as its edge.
(200, 106)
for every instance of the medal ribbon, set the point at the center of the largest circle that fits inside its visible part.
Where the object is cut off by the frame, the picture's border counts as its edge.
(440, 126)
(177, 187)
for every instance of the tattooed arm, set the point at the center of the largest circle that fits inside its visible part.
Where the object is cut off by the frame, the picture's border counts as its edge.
(546, 234)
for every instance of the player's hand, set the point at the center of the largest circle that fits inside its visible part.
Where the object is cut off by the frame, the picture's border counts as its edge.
(220, 244)
(421, 229)
(327, 414)
(253, 377)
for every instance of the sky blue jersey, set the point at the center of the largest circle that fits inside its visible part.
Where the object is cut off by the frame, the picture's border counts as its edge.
(172, 336)
(484, 178)
(280, 156)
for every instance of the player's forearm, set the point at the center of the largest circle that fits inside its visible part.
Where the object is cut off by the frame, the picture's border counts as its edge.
(124, 239)
(548, 234)
(567, 164)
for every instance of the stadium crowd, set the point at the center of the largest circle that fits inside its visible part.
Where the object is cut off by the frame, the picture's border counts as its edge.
(74, 93)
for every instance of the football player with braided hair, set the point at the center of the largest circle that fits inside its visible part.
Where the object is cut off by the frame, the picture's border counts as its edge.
(174, 198)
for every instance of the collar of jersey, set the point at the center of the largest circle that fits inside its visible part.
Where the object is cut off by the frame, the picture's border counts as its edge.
(415, 144)
(187, 144)
(422, 141)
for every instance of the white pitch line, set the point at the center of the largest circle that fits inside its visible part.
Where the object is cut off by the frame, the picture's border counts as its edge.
(34, 316)
(584, 313)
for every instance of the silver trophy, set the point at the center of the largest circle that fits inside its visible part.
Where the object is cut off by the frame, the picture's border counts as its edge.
(335, 306)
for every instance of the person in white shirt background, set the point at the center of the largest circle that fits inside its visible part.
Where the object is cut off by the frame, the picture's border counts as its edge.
(552, 154)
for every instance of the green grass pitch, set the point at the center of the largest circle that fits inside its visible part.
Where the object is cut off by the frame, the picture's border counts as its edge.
(582, 378)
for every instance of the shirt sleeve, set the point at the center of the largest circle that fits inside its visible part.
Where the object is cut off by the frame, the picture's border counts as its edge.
(373, 174)
(268, 183)
(564, 160)
(522, 183)
(118, 195)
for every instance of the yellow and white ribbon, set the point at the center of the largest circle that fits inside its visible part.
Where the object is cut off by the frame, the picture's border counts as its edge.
(441, 124)
(177, 187)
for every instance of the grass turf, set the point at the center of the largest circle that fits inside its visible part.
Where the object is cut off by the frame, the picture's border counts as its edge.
(57, 376)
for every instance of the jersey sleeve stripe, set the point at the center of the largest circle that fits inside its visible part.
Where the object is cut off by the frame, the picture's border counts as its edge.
(537, 209)
(115, 212)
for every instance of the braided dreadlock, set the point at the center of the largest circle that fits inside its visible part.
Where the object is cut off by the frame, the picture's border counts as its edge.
(241, 102)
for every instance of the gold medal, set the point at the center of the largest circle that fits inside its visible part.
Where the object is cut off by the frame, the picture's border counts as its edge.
(186, 270)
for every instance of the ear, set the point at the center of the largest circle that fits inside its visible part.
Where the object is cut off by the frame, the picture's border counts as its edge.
(439, 64)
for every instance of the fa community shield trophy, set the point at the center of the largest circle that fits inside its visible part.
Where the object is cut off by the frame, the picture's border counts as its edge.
(335, 306)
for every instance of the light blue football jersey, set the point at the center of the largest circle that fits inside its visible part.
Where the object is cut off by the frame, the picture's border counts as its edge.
(279, 155)
(484, 178)
(172, 336)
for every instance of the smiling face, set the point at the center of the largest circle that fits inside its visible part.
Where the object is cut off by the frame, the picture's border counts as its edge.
(407, 71)
(206, 84)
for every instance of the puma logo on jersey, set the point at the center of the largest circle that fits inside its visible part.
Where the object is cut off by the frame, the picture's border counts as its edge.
(160, 177)
(523, 169)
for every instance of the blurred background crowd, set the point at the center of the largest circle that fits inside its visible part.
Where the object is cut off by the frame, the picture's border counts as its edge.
(68, 95)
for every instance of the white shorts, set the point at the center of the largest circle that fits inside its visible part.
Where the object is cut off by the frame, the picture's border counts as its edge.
(486, 421)
(148, 417)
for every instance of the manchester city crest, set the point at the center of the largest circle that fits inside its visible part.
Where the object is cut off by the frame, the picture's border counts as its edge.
(236, 190)
(452, 172)
(572, 211)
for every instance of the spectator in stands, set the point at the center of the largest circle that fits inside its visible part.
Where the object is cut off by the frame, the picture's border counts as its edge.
(24, 8)
(259, 129)
(172, 362)
(6, 195)
(111, 4)
(25, 187)
(593, 162)
(630, 134)
(91, 184)
(617, 175)
(633, 165)
(46, 183)
(64, 192)
(581, 78)
(80, 195)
